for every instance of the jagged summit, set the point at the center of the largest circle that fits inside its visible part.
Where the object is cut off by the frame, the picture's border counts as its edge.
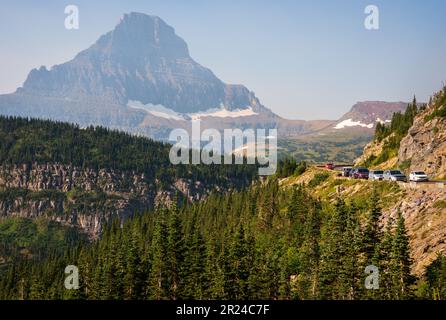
(141, 59)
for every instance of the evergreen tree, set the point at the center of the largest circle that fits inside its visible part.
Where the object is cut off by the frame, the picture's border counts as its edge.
(372, 229)
(297, 213)
(268, 206)
(175, 249)
(238, 268)
(310, 253)
(133, 278)
(401, 261)
(214, 272)
(382, 259)
(349, 274)
(196, 279)
(158, 282)
(332, 253)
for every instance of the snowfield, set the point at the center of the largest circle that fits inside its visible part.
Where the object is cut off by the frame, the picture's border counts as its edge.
(159, 111)
(223, 113)
(166, 113)
(351, 123)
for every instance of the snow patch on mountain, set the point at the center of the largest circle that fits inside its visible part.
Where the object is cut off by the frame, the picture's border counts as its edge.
(159, 111)
(166, 113)
(351, 123)
(383, 121)
(223, 113)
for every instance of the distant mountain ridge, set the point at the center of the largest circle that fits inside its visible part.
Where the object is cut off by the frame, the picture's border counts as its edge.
(367, 114)
(140, 78)
(142, 59)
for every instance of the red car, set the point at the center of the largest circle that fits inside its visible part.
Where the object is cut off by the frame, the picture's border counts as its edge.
(361, 173)
(329, 166)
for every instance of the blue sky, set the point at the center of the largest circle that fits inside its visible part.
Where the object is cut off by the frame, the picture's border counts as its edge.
(309, 59)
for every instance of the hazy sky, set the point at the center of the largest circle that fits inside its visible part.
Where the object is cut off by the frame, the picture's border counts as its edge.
(303, 59)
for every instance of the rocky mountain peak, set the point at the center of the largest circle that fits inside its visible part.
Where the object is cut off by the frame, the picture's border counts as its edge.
(142, 36)
(141, 59)
(366, 114)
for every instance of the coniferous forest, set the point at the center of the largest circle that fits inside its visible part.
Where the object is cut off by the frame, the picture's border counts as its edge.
(29, 141)
(261, 243)
(256, 241)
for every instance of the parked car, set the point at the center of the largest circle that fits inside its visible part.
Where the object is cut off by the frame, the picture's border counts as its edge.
(329, 166)
(361, 173)
(394, 175)
(376, 175)
(418, 176)
(346, 171)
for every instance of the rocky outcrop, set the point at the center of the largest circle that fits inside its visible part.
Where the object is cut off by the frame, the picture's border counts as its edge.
(422, 205)
(64, 178)
(373, 150)
(85, 197)
(424, 211)
(424, 148)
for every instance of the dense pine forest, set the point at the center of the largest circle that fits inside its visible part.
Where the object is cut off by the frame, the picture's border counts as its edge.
(29, 141)
(260, 243)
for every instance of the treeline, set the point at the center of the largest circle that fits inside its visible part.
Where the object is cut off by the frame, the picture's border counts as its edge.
(438, 102)
(394, 132)
(400, 123)
(261, 243)
(28, 141)
(289, 166)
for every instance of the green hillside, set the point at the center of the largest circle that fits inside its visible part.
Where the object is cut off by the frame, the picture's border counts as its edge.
(28, 141)
(393, 133)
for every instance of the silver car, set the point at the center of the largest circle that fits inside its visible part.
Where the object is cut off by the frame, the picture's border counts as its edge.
(376, 175)
(394, 175)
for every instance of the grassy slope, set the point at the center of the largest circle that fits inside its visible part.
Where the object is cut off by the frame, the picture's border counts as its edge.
(356, 191)
(424, 208)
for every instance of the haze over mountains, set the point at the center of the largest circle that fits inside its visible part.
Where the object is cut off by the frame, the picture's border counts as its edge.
(140, 78)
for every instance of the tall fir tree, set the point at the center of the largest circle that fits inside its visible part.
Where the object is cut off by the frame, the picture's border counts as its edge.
(175, 250)
(401, 261)
(330, 265)
(158, 282)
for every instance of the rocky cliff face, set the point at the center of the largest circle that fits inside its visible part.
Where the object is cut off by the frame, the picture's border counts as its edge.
(422, 205)
(85, 197)
(424, 148)
(423, 208)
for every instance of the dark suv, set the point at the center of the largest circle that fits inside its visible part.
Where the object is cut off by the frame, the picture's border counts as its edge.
(360, 173)
(346, 171)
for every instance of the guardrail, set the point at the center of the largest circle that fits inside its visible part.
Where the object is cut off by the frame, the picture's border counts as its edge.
(423, 185)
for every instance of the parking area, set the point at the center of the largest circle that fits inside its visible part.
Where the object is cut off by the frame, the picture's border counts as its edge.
(413, 179)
